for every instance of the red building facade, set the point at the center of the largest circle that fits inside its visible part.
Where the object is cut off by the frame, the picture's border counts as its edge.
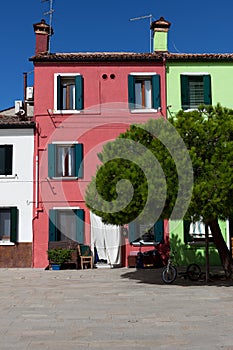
(82, 101)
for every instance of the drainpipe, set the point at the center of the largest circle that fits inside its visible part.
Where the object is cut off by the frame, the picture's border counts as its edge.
(25, 92)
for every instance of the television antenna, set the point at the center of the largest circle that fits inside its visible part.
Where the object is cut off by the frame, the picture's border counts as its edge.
(144, 17)
(50, 13)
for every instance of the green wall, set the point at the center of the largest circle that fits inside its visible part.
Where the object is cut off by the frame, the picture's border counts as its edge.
(222, 92)
(192, 253)
(221, 82)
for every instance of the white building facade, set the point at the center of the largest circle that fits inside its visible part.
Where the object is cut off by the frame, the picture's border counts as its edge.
(16, 188)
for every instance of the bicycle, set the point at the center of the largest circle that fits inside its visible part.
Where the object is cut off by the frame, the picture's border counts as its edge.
(169, 272)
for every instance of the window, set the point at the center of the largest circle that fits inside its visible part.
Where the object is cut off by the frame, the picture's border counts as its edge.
(66, 224)
(195, 232)
(138, 232)
(195, 90)
(69, 95)
(65, 160)
(144, 91)
(6, 159)
(8, 224)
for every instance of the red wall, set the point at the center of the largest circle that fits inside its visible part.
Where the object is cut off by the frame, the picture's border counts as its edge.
(105, 116)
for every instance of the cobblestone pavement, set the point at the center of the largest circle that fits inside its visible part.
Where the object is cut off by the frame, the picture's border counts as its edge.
(112, 309)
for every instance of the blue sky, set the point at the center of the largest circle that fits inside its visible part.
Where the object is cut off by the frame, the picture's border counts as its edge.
(203, 26)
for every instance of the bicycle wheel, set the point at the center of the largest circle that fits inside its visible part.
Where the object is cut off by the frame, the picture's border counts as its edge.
(169, 274)
(193, 272)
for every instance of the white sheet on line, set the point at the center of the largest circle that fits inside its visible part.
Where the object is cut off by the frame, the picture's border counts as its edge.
(106, 239)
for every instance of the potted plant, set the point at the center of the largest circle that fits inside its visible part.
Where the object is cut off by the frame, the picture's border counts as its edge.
(58, 256)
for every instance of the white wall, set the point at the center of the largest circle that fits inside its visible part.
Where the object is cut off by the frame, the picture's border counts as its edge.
(17, 190)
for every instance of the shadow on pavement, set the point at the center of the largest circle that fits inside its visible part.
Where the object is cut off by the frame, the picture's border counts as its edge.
(153, 276)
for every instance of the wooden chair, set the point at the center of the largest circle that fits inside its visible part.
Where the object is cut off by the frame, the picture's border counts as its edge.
(85, 256)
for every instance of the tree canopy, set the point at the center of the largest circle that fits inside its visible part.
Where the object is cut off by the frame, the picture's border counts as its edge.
(177, 168)
(154, 158)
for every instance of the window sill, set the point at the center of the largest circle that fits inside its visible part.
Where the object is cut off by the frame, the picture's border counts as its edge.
(8, 177)
(65, 178)
(144, 243)
(199, 243)
(6, 243)
(140, 110)
(66, 111)
(190, 109)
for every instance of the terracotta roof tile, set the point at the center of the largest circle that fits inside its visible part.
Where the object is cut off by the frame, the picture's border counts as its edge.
(129, 56)
(97, 56)
(198, 56)
(7, 121)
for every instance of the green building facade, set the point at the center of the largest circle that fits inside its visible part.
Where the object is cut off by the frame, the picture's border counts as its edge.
(193, 80)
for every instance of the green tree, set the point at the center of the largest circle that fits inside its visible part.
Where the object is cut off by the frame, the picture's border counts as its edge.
(175, 169)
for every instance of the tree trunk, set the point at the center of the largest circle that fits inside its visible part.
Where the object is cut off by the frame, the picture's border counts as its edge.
(224, 253)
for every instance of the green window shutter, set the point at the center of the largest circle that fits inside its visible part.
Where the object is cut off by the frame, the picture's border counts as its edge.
(59, 93)
(79, 92)
(79, 225)
(207, 90)
(156, 99)
(159, 231)
(51, 160)
(79, 160)
(131, 91)
(186, 228)
(133, 231)
(184, 92)
(14, 224)
(52, 225)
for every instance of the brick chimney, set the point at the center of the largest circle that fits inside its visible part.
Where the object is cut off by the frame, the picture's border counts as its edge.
(160, 28)
(42, 31)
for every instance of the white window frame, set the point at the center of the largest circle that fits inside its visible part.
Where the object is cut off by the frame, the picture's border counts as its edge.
(62, 209)
(193, 74)
(13, 175)
(143, 110)
(6, 241)
(63, 111)
(65, 144)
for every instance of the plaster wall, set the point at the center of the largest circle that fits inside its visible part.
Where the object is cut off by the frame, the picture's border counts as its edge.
(105, 115)
(221, 82)
(194, 252)
(17, 190)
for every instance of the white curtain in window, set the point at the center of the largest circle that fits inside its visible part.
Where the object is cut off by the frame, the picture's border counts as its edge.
(61, 161)
(66, 164)
(72, 96)
(138, 94)
(148, 94)
(71, 161)
(67, 224)
(198, 229)
(106, 239)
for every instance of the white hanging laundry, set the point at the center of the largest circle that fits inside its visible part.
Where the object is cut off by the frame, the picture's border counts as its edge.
(106, 239)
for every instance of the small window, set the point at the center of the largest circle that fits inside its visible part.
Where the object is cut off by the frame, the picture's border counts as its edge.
(65, 160)
(66, 224)
(195, 232)
(69, 92)
(144, 92)
(195, 90)
(8, 224)
(6, 159)
(146, 234)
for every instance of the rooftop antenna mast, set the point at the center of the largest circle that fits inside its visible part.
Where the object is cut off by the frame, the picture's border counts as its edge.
(144, 17)
(50, 13)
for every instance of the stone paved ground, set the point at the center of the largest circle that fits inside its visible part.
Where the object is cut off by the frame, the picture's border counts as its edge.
(112, 309)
